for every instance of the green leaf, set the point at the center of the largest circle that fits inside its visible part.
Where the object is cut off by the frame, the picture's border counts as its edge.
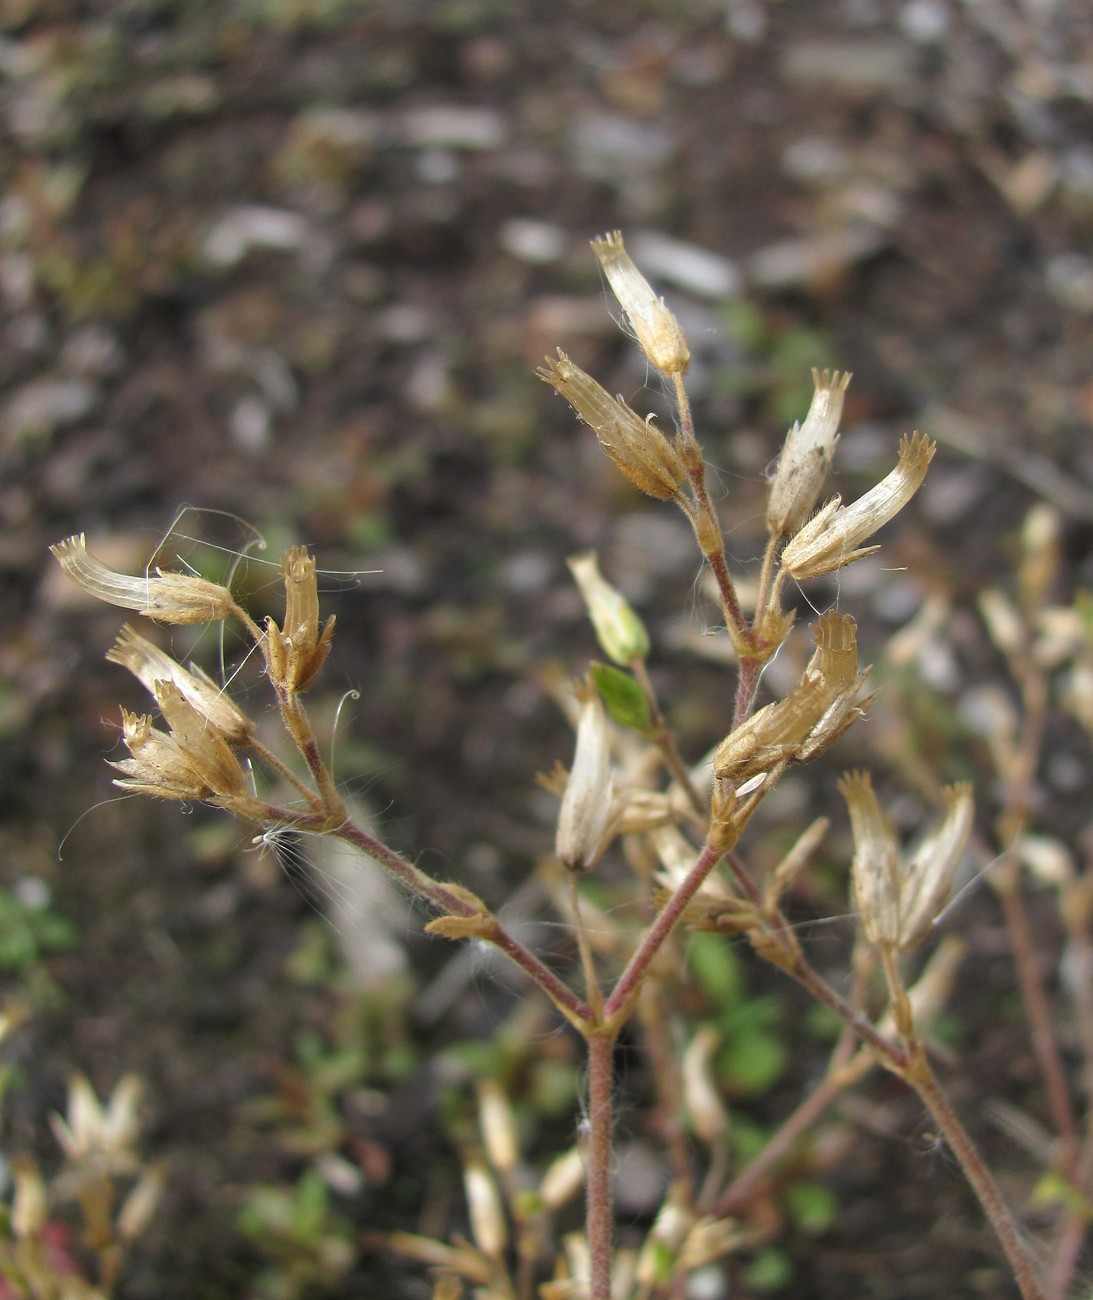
(770, 1270)
(752, 1064)
(623, 697)
(716, 969)
(811, 1207)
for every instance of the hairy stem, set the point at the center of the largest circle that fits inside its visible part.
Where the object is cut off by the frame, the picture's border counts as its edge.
(599, 1210)
(1038, 1011)
(446, 900)
(705, 522)
(735, 1197)
(921, 1077)
(626, 990)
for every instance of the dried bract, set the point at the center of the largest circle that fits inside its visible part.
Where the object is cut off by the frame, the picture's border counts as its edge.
(635, 446)
(806, 456)
(928, 878)
(876, 867)
(898, 902)
(149, 664)
(158, 766)
(296, 651)
(833, 537)
(140, 1205)
(658, 332)
(168, 597)
(29, 1210)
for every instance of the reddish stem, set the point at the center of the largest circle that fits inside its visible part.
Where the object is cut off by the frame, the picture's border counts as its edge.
(599, 1210)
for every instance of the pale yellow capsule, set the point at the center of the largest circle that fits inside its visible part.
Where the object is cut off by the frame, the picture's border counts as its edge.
(658, 332)
(168, 597)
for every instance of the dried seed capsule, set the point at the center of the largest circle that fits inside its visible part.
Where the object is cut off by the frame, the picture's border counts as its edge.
(899, 901)
(168, 597)
(833, 537)
(928, 877)
(806, 456)
(781, 730)
(149, 664)
(659, 333)
(296, 652)
(876, 867)
(484, 1205)
(635, 446)
(588, 803)
(158, 765)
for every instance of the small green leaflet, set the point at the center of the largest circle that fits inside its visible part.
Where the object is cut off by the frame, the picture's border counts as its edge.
(623, 697)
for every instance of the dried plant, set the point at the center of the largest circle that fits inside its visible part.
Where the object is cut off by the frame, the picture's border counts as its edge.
(628, 781)
(40, 1257)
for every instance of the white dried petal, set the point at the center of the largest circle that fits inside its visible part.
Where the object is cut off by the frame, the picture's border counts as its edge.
(928, 876)
(659, 333)
(585, 817)
(806, 456)
(169, 597)
(832, 539)
(876, 867)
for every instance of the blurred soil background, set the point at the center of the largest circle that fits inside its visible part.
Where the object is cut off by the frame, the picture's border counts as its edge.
(291, 264)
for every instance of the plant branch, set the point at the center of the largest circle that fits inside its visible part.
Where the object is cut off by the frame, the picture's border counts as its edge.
(446, 900)
(665, 742)
(599, 1210)
(920, 1076)
(621, 1000)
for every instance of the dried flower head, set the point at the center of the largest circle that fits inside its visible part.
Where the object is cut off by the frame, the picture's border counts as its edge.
(781, 730)
(96, 1135)
(635, 446)
(586, 814)
(149, 664)
(488, 1226)
(158, 765)
(296, 651)
(833, 537)
(806, 456)
(192, 761)
(898, 901)
(168, 597)
(658, 332)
